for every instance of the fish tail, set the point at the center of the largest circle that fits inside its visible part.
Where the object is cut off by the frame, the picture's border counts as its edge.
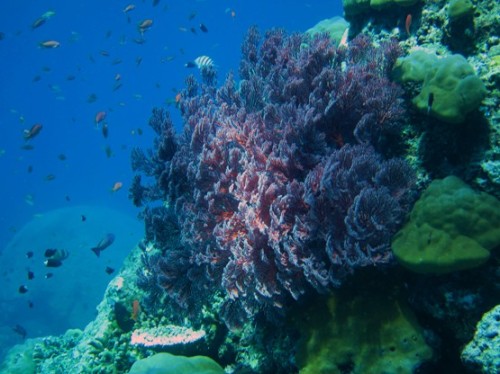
(97, 251)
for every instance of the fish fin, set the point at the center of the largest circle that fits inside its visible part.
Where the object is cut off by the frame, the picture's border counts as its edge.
(97, 251)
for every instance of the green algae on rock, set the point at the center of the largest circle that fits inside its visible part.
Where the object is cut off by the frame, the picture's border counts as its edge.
(451, 228)
(372, 332)
(166, 363)
(456, 90)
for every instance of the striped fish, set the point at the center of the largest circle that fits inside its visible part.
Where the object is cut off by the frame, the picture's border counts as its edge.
(201, 62)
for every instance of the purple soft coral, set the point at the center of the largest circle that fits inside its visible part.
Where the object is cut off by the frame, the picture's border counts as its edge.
(270, 197)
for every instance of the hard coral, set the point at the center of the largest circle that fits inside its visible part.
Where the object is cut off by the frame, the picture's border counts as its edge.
(271, 199)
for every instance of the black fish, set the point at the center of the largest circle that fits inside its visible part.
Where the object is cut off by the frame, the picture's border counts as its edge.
(31, 275)
(53, 263)
(23, 289)
(50, 252)
(430, 100)
(190, 64)
(67, 198)
(18, 329)
(30, 168)
(30, 304)
(203, 27)
(29, 254)
(103, 244)
(109, 270)
(84, 218)
(105, 130)
(48, 275)
(156, 2)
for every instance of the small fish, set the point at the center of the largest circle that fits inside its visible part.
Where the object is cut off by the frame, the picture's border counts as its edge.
(48, 14)
(30, 275)
(84, 218)
(67, 198)
(27, 147)
(104, 53)
(53, 263)
(200, 62)
(2, 35)
(167, 59)
(70, 77)
(92, 98)
(117, 186)
(29, 199)
(136, 309)
(191, 16)
(139, 41)
(38, 22)
(30, 169)
(193, 30)
(128, 8)
(22, 289)
(430, 100)
(50, 44)
(49, 177)
(109, 270)
(117, 86)
(343, 39)
(118, 77)
(49, 275)
(116, 61)
(30, 304)
(183, 29)
(62, 157)
(139, 131)
(108, 151)
(408, 23)
(29, 254)
(21, 331)
(145, 25)
(105, 130)
(103, 244)
(156, 2)
(203, 27)
(99, 117)
(33, 131)
(50, 252)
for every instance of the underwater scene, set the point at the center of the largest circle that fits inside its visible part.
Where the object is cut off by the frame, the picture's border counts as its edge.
(230, 186)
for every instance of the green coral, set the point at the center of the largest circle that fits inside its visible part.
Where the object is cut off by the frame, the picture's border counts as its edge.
(166, 363)
(335, 27)
(459, 9)
(371, 332)
(353, 7)
(450, 89)
(451, 228)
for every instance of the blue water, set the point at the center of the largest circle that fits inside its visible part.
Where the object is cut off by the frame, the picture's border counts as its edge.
(52, 87)
(35, 87)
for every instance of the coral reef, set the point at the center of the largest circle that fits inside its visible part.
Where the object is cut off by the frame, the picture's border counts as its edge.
(451, 227)
(284, 185)
(165, 363)
(371, 332)
(483, 352)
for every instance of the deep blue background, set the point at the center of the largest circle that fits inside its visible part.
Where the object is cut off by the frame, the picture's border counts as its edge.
(84, 29)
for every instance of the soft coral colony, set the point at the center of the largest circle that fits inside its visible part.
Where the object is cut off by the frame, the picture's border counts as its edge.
(281, 184)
